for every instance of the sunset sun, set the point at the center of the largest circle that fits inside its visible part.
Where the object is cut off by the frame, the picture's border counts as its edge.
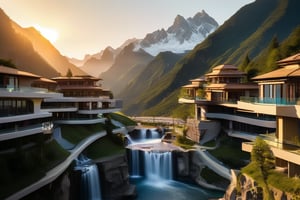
(49, 33)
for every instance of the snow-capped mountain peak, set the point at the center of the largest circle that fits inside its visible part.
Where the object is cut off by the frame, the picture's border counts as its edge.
(183, 35)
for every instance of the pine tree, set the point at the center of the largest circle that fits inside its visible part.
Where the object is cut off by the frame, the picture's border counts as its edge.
(245, 63)
(69, 73)
(263, 157)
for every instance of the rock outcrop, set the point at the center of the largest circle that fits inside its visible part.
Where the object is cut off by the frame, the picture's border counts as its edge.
(115, 178)
(189, 168)
(250, 190)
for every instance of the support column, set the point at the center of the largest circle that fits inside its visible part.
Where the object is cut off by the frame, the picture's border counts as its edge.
(203, 111)
(230, 125)
(196, 112)
(226, 96)
(37, 105)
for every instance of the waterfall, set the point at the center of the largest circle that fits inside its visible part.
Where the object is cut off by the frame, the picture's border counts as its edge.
(144, 135)
(90, 188)
(149, 134)
(158, 165)
(135, 162)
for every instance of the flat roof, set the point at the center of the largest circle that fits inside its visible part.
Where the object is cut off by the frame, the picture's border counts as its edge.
(294, 59)
(285, 72)
(86, 77)
(190, 86)
(232, 86)
(16, 72)
(289, 67)
(46, 80)
(225, 70)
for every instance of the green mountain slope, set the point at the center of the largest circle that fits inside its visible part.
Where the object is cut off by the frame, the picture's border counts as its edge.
(273, 52)
(127, 66)
(249, 31)
(154, 71)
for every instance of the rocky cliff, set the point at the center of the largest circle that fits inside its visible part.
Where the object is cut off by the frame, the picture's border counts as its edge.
(115, 178)
(250, 190)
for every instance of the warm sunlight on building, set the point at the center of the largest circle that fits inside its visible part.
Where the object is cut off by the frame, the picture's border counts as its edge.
(49, 33)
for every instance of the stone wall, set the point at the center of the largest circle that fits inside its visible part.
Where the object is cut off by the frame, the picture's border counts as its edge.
(114, 178)
(189, 168)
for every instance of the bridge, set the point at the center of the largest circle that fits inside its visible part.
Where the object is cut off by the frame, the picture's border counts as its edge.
(159, 119)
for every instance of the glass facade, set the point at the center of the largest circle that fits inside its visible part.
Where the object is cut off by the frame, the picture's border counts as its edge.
(12, 106)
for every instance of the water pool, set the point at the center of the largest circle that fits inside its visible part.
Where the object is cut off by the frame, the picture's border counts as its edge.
(171, 190)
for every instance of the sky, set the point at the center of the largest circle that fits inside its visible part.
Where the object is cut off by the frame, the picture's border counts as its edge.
(79, 27)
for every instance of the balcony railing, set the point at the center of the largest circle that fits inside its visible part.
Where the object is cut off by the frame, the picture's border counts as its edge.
(279, 101)
(24, 89)
(196, 98)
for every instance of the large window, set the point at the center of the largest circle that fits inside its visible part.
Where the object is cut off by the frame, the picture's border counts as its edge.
(15, 107)
(273, 93)
(7, 81)
(267, 91)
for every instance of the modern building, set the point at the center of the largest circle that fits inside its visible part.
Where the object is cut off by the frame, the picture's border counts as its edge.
(31, 111)
(227, 84)
(221, 89)
(30, 104)
(83, 102)
(268, 108)
(279, 92)
(20, 105)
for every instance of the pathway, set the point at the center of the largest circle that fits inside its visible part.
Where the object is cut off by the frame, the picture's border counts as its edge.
(59, 169)
(213, 163)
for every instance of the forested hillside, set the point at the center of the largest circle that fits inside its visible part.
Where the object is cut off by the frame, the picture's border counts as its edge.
(246, 34)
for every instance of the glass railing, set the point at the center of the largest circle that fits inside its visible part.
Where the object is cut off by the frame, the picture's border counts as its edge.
(24, 89)
(279, 101)
(196, 98)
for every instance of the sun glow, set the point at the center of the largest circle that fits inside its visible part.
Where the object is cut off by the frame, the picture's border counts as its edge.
(49, 33)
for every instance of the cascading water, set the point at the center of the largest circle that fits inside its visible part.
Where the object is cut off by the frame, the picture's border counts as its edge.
(89, 179)
(135, 162)
(144, 135)
(158, 165)
(150, 134)
(151, 170)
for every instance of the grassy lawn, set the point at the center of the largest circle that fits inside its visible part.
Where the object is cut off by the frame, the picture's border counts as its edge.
(122, 119)
(76, 133)
(229, 152)
(104, 147)
(211, 143)
(184, 142)
(213, 178)
(252, 170)
(275, 179)
(284, 183)
(26, 166)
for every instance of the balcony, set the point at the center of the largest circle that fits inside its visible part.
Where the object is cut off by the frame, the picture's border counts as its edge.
(286, 152)
(192, 100)
(17, 132)
(16, 118)
(53, 109)
(80, 121)
(244, 118)
(265, 100)
(99, 111)
(28, 92)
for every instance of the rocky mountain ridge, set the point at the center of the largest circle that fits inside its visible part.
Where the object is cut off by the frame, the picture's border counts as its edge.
(179, 38)
(182, 36)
